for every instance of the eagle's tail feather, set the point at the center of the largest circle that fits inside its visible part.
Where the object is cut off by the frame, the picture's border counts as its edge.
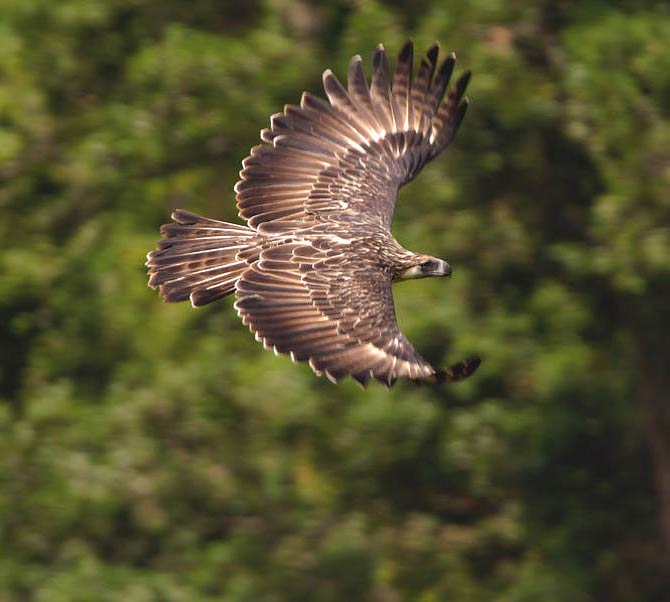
(198, 258)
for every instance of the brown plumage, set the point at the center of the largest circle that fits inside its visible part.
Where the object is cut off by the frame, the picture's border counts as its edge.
(312, 270)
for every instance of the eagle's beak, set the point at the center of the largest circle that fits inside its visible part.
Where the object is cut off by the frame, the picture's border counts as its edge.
(442, 269)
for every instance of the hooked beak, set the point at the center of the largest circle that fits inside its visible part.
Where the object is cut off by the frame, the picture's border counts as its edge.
(442, 269)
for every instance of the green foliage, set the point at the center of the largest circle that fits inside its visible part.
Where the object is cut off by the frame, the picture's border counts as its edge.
(155, 452)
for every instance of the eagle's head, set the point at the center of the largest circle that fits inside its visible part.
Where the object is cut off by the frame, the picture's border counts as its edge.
(422, 266)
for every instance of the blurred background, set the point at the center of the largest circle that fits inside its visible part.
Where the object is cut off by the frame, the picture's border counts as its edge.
(156, 452)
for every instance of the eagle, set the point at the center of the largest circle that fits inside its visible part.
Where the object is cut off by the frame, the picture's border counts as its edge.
(312, 268)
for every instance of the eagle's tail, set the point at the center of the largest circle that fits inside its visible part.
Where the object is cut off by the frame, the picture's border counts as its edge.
(198, 258)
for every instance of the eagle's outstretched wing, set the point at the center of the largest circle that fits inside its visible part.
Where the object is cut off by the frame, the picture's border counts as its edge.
(333, 308)
(344, 160)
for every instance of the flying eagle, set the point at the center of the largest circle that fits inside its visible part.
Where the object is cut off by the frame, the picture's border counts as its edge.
(312, 269)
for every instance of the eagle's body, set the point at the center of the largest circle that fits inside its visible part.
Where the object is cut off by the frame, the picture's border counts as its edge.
(312, 270)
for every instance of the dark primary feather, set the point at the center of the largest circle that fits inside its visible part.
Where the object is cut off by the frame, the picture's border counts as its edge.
(402, 86)
(312, 271)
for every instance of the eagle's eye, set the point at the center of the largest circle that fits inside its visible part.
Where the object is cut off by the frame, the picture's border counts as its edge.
(427, 266)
